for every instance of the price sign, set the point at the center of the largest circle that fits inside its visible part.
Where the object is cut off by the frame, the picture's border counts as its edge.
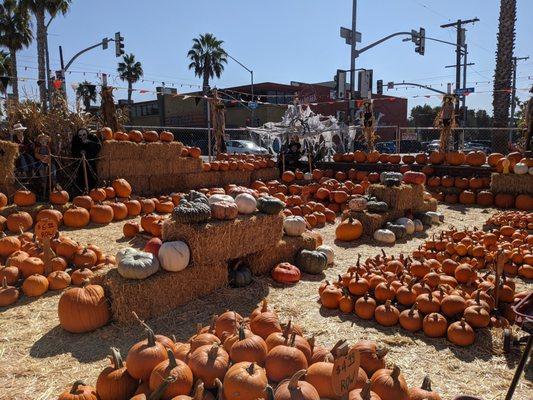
(45, 229)
(345, 371)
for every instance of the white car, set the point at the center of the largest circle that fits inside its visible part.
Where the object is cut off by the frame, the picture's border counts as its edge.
(244, 146)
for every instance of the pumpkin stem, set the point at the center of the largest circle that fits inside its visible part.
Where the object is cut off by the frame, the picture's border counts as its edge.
(311, 342)
(365, 391)
(293, 339)
(269, 393)
(241, 332)
(337, 345)
(158, 393)
(172, 363)
(251, 368)
(287, 330)
(413, 309)
(381, 351)
(264, 305)
(75, 386)
(220, 389)
(4, 283)
(293, 383)
(199, 391)
(213, 351)
(395, 373)
(426, 384)
(116, 358)
(198, 328)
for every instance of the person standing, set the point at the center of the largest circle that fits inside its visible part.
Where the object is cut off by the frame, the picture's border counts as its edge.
(25, 161)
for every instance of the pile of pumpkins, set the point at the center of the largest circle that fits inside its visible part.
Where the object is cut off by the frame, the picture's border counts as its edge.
(438, 287)
(239, 162)
(29, 268)
(484, 198)
(238, 358)
(516, 219)
(137, 136)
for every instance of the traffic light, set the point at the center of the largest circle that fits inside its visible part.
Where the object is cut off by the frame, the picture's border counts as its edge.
(340, 84)
(379, 84)
(420, 42)
(119, 45)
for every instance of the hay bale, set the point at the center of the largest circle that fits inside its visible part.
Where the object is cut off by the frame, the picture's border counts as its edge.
(185, 165)
(428, 205)
(370, 221)
(9, 153)
(511, 183)
(240, 178)
(284, 251)
(121, 168)
(216, 241)
(265, 174)
(121, 150)
(402, 197)
(167, 151)
(161, 292)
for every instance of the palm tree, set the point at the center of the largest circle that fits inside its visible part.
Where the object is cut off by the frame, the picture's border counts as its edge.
(15, 34)
(39, 8)
(6, 69)
(87, 92)
(502, 75)
(207, 58)
(130, 71)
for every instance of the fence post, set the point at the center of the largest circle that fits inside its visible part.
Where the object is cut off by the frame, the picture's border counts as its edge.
(398, 139)
(50, 175)
(209, 147)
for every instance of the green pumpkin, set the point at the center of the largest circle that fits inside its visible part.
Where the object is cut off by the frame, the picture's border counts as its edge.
(311, 261)
(240, 275)
(270, 205)
(390, 182)
(192, 209)
(398, 230)
(377, 206)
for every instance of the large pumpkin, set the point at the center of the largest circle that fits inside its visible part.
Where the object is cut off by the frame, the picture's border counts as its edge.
(245, 381)
(83, 309)
(59, 197)
(455, 157)
(349, 230)
(311, 261)
(135, 264)
(416, 178)
(524, 202)
(476, 158)
(19, 221)
(174, 256)
(114, 382)
(101, 214)
(246, 203)
(24, 198)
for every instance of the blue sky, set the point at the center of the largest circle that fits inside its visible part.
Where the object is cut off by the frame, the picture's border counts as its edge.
(284, 40)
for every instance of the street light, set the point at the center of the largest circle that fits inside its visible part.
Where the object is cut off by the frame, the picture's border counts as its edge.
(251, 83)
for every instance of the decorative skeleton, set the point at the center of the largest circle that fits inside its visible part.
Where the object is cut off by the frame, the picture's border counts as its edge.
(368, 122)
(445, 121)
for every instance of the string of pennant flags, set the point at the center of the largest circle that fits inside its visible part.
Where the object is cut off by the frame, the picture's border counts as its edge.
(57, 84)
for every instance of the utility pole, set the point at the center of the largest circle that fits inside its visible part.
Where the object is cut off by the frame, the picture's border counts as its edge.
(353, 56)
(513, 90)
(460, 43)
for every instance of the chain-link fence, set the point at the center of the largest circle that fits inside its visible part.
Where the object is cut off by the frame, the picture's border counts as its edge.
(390, 138)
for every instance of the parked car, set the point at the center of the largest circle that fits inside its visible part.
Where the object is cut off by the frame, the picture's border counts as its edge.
(434, 145)
(410, 146)
(483, 145)
(386, 147)
(244, 146)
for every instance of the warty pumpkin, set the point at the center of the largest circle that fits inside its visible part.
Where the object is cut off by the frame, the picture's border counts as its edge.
(114, 382)
(83, 309)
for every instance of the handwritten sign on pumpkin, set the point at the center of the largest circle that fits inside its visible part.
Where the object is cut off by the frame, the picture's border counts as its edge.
(345, 372)
(45, 228)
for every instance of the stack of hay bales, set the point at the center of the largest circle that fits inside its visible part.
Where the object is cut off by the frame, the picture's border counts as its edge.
(511, 184)
(257, 239)
(400, 200)
(9, 152)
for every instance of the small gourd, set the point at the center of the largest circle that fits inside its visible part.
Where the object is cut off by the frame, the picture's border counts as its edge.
(358, 203)
(419, 226)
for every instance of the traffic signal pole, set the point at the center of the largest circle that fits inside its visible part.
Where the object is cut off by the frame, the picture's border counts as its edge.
(352, 62)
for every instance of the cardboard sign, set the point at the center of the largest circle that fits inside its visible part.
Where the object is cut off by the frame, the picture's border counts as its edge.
(45, 228)
(345, 371)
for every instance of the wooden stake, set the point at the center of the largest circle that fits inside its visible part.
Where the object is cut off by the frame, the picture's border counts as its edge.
(83, 160)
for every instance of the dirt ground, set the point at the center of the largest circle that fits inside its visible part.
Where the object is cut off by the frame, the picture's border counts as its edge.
(38, 359)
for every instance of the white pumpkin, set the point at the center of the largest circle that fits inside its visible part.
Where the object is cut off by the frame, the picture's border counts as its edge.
(408, 224)
(357, 203)
(419, 226)
(294, 225)
(520, 168)
(530, 170)
(135, 264)
(217, 198)
(308, 176)
(174, 256)
(246, 203)
(328, 251)
(385, 236)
